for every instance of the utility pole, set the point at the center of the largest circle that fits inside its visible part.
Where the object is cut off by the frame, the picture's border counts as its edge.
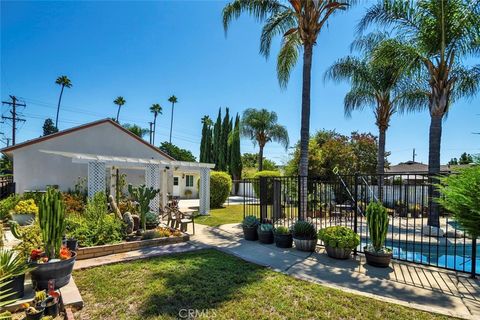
(151, 132)
(414, 154)
(14, 116)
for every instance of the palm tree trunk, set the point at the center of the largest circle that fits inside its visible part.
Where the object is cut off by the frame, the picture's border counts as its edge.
(381, 160)
(305, 128)
(58, 107)
(435, 138)
(154, 128)
(171, 123)
(118, 112)
(260, 158)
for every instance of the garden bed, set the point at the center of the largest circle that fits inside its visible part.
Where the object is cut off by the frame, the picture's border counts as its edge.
(105, 250)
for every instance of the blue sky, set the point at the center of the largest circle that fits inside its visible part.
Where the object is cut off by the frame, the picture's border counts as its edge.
(147, 51)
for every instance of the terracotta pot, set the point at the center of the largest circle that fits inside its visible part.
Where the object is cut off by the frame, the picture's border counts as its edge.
(378, 259)
(338, 253)
(307, 245)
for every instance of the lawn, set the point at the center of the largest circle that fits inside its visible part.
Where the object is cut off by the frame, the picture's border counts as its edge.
(219, 286)
(217, 217)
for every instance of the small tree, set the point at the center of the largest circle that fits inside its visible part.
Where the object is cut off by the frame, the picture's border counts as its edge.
(49, 127)
(177, 153)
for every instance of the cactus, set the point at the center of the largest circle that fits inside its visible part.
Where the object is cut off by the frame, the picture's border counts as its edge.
(304, 230)
(143, 196)
(377, 220)
(14, 228)
(52, 221)
(129, 223)
(40, 296)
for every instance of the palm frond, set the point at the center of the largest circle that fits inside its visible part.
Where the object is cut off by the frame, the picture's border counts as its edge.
(345, 69)
(277, 24)
(288, 57)
(366, 44)
(279, 134)
(467, 82)
(358, 99)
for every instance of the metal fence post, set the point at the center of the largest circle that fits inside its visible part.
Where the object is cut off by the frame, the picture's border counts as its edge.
(355, 211)
(263, 198)
(244, 198)
(299, 197)
(474, 258)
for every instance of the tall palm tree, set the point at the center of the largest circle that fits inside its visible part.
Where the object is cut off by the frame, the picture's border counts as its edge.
(299, 23)
(156, 109)
(381, 85)
(261, 127)
(64, 82)
(119, 101)
(173, 100)
(435, 36)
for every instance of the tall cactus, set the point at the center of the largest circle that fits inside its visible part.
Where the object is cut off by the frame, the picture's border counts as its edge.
(143, 196)
(377, 220)
(51, 215)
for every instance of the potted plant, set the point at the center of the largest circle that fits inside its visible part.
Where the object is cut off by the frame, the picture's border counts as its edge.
(283, 237)
(339, 241)
(377, 220)
(304, 236)
(34, 313)
(151, 220)
(249, 226)
(13, 266)
(54, 261)
(265, 233)
(50, 302)
(24, 212)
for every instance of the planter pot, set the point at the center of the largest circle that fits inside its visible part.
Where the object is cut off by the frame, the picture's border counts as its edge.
(283, 240)
(23, 219)
(250, 234)
(265, 237)
(60, 271)
(338, 253)
(36, 316)
(51, 307)
(308, 245)
(15, 286)
(378, 259)
(72, 244)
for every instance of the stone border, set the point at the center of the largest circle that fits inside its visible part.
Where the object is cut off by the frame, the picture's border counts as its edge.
(105, 250)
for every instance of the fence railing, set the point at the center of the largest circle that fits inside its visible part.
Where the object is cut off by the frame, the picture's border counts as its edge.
(7, 186)
(342, 200)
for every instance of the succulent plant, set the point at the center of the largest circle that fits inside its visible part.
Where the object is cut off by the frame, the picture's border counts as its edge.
(51, 216)
(377, 220)
(40, 296)
(282, 230)
(304, 230)
(265, 227)
(11, 264)
(250, 222)
(143, 195)
(339, 237)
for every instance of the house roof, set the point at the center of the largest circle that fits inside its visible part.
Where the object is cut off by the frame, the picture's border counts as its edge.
(414, 167)
(83, 127)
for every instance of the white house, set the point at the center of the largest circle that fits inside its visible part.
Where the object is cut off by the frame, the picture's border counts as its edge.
(96, 151)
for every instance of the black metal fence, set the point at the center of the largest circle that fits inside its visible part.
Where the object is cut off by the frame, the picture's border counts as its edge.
(7, 186)
(342, 200)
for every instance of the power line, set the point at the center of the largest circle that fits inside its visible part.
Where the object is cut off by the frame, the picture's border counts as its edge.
(14, 116)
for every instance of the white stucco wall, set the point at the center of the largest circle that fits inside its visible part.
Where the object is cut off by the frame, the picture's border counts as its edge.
(34, 170)
(182, 183)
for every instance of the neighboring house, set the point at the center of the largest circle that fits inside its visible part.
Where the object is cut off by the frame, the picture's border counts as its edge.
(55, 160)
(414, 168)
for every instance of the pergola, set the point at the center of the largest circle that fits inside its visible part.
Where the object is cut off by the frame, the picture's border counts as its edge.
(156, 174)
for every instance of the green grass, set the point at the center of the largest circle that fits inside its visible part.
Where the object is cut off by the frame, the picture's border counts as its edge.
(223, 287)
(217, 217)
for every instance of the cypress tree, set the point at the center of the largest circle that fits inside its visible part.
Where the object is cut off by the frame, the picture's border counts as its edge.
(235, 166)
(205, 144)
(217, 138)
(223, 147)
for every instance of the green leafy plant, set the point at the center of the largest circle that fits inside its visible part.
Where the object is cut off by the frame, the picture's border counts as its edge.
(304, 230)
(151, 218)
(7, 205)
(282, 230)
(106, 230)
(30, 237)
(250, 222)
(339, 237)
(143, 196)
(6, 294)
(377, 220)
(265, 227)
(220, 187)
(12, 264)
(26, 207)
(51, 216)
(150, 234)
(461, 195)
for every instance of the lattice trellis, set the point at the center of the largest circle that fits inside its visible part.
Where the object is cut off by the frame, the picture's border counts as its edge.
(152, 179)
(204, 190)
(96, 178)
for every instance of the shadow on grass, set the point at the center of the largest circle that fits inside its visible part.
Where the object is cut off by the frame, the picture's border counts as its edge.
(201, 283)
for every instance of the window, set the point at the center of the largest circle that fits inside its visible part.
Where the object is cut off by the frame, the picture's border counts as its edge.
(189, 181)
(175, 181)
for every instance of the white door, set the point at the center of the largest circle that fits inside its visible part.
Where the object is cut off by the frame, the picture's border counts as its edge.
(176, 186)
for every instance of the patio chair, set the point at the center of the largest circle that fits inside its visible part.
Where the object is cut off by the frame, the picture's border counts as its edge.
(182, 219)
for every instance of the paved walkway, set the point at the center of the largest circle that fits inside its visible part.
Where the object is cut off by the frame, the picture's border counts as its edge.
(420, 287)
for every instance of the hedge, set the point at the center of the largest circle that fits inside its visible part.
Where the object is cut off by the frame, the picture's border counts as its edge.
(220, 187)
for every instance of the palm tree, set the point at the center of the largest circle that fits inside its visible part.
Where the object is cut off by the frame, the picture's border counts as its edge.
(136, 130)
(299, 23)
(119, 101)
(156, 109)
(378, 84)
(65, 83)
(261, 127)
(434, 36)
(173, 100)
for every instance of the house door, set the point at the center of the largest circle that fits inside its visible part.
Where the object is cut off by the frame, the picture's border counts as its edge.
(176, 186)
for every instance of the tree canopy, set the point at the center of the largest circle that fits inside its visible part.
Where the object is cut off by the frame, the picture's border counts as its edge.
(177, 153)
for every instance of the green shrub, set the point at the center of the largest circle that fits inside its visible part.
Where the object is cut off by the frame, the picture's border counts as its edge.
(461, 195)
(256, 184)
(151, 234)
(220, 187)
(339, 237)
(282, 230)
(7, 205)
(30, 237)
(151, 218)
(377, 220)
(265, 227)
(304, 230)
(250, 222)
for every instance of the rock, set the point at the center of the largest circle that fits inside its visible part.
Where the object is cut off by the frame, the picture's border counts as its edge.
(431, 231)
